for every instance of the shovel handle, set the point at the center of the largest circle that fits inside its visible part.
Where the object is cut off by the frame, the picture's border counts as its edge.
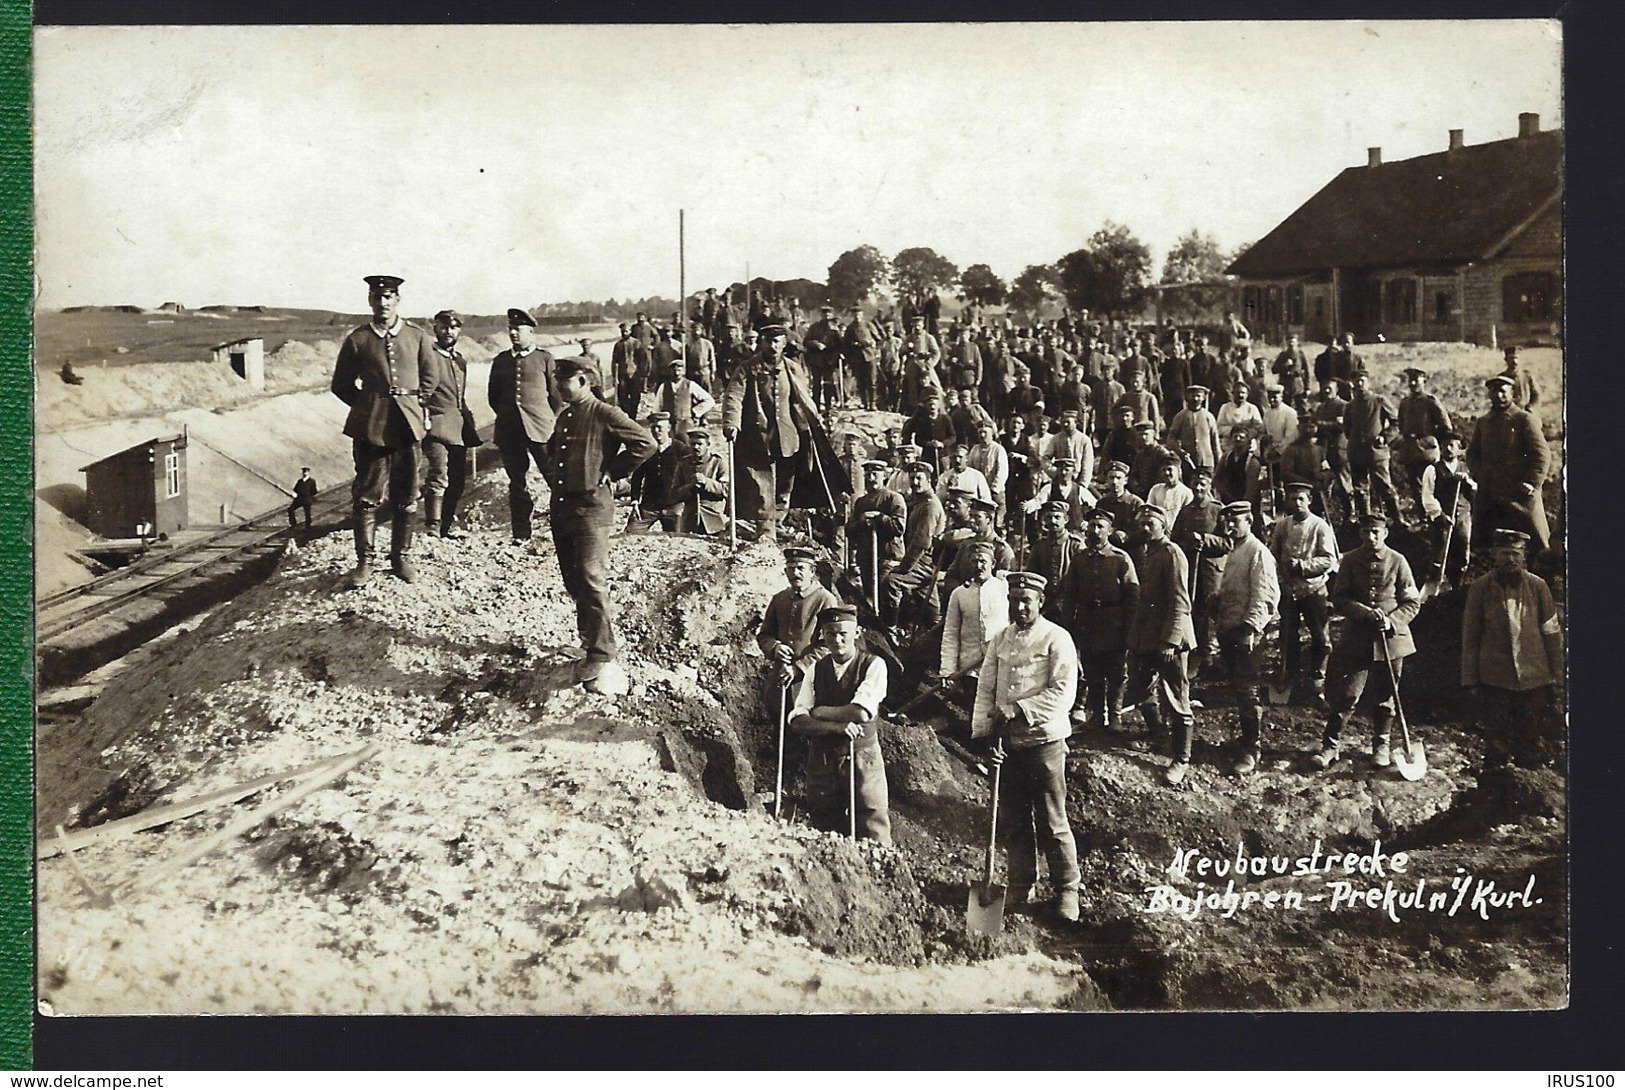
(993, 819)
(778, 779)
(1399, 705)
(852, 788)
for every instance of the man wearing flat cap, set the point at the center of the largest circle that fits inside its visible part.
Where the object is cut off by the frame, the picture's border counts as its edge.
(977, 609)
(451, 430)
(1369, 424)
(521, 393)
(1377, 597)
(386, 371)
(1509, 458)
(1249, 591)
(656, 496)
(593, 444)
(1512, 653)
(768, 413)
(1420, 416)
(837, 709)
(1027, 685)
(788, 634)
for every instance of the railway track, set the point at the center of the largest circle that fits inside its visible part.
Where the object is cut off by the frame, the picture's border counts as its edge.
(62, 612)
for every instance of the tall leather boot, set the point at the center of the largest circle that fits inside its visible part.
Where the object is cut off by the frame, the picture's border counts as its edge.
(520, 507)
(431, 513)
(400, 544)
(366, 529)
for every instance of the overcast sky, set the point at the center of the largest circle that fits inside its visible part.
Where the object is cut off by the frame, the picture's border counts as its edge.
(496, 166)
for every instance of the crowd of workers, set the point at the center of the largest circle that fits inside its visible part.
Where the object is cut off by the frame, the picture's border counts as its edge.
(1061, 524)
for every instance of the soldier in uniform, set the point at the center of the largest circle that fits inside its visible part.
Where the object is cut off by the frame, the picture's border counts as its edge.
(1053, 554)
(630, 361)
(1028, 683)
(860, 342)
(1123, 505)
(1525, 394)
(1420, 416)
(1291, 370)
(1199, 532)
(1367, 422)
(1098, 602)
(789, 629)
(1377, 596)
(921, 355)
(824, 345)
(768, 410)
(702, 487)
(1509, 458)
(593, 444)
(875, 528)
(522, 394)
(914, 579)
(656, 496)
(700, 358)
(837, 708)
(385, 373)
(1511, 653)
(445, 447)
(1305, 551)
(1249, 592)
(1160, 639)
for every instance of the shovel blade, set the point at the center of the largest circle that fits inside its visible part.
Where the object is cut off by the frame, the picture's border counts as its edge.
(1280, 694)
(1411, 762)
(984, 909)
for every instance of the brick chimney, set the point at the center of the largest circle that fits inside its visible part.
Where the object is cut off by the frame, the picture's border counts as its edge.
(1373, 157)
(1456, 141)
(1528, 124)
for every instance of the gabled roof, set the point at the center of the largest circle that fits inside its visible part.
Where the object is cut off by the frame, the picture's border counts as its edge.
(179, 439)
(1445, 208)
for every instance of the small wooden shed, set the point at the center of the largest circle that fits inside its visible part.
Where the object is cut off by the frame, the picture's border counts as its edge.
(246, 357)
(145, 483)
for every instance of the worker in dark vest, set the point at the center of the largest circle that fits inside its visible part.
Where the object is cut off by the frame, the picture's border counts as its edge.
(593, 444)
(384, 373)
(304, 495)
(521, 393)
(837, 709)
(451, 430)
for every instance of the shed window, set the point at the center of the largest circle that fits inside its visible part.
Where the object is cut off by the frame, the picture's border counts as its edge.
(172, 475)
(1443, 306)
(1529, 297)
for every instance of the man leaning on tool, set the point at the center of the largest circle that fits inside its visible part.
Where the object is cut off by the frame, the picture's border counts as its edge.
(837, 708)
(1027, 685)
(385, 372)
(593, 443)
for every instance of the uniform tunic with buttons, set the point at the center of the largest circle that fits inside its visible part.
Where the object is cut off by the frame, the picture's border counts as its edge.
(385, 376)
(521, 392)
(1382, 580)
(1099, 599)
(1162, 617)
(446, 402)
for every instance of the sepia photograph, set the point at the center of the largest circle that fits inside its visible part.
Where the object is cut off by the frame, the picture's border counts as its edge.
(800, 518)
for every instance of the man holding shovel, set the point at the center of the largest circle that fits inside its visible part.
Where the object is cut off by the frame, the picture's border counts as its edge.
(1027, 685)
(1377, 595)
(837, 707)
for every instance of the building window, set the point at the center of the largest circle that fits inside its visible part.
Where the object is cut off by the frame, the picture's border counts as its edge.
(172, 475)
(1400, 304)
(1529, 297)
(1443, 306)
(1294, 304)
(1320, 308)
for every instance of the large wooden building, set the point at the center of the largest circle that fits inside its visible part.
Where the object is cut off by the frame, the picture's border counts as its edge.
(1463, 244)
(141, 486)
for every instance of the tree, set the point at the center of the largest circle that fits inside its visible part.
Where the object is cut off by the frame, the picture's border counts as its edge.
(1032, 289)
(980, 286)
(855, 275)
(921, 272)
(1109, 275)
(1195, 259)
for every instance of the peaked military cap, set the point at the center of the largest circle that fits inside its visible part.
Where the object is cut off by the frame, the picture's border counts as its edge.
(1065, 461)
(922, 467)
(1100, 513)
(875, 463)
(379, 282)
(1154, 509)
(1298, 486)
(1373, 518)
(693, 432)
(800, 552)
(1197, 389)
(981, 504)
(577, 365)
(448, 317)
(837, 614)
(656, 418)
(1497, 380)
(773, 329)
(1145, 425)
(1061, 507)
(981, 547)
(1027, 580)
(1238, 507)
(1508, 538)
(1115, 467)
(518, 317)
(1416, 371)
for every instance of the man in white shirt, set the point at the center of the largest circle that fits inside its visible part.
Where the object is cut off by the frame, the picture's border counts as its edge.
(1027, 685)
(1071, 443)
(989, 458)
(977, 609)
(1280, 420)
(1248, 594)
(1238, 412)
(1170, 493)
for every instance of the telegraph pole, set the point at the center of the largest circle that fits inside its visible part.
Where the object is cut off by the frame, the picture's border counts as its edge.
(682, 279)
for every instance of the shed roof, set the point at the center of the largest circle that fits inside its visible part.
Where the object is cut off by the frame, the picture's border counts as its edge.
(179, 439)
(1445, 208)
